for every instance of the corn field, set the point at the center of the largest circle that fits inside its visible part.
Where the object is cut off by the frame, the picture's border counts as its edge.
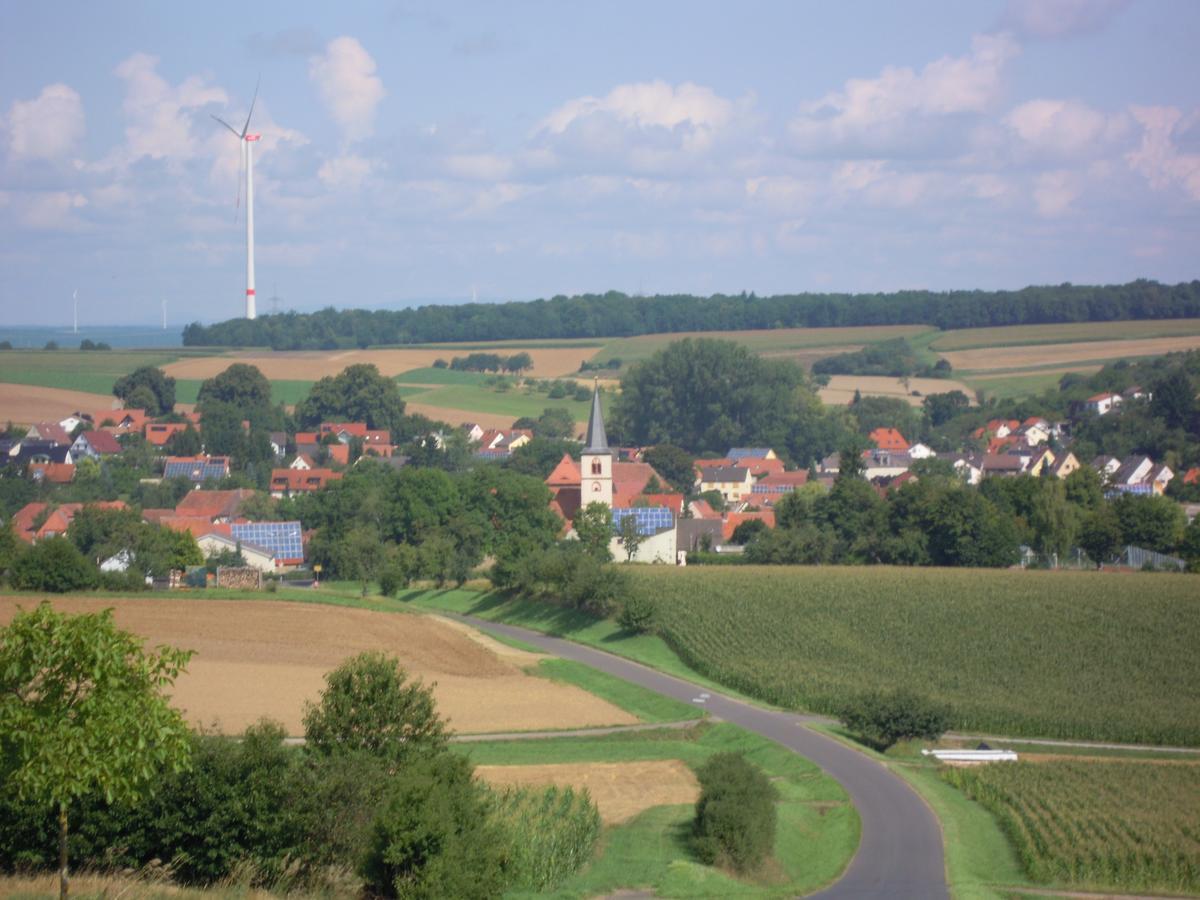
(1131, 826)
(551, 833)
(1077, 655)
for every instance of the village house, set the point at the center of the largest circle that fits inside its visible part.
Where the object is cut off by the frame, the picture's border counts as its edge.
(159, 433)
(1103, 403)
(94, 445)
(49, 433)
(51, 473)
(196, 469)
(888, 439)
(285, 482)
(38, 521)
(734, 483)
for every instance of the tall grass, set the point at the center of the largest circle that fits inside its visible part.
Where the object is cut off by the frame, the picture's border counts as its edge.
(551, 832)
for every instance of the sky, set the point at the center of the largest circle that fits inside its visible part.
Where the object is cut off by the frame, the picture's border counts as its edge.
(416, 153)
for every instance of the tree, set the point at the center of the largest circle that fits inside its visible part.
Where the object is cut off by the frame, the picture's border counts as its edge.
(185, 443)
(518, 362)
(594, 528)
(82, 710)
(898, 715)
(1100, 535)
(630, 535)
(555, 422)
(941, 408)
(161, 387)
(1155, 523)
(747, 531)
(53, 565)
(241, 385)
(357, 394)
(369, 707)
(674, 464)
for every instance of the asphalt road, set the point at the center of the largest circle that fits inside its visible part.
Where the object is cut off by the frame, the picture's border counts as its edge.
(900, 855)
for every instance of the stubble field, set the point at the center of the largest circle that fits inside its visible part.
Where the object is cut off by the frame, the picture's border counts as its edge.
(266, 658)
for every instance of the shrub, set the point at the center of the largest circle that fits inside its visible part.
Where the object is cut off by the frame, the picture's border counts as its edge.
(54, 565)
(735, 815)
(882, 719)
(368, 707)
(550, 834)
(637, 614)
(433, 836)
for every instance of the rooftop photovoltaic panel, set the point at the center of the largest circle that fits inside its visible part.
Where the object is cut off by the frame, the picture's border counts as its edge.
(749, 453)
(194, 471)
(281, 538)
(773, 488)
(650, 519)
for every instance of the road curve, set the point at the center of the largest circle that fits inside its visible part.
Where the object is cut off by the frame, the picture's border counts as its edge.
(900, 854)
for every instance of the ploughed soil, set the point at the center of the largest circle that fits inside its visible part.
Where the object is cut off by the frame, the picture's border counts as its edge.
(256, 658)
(989, 358)
(25, 404)
(621, 790)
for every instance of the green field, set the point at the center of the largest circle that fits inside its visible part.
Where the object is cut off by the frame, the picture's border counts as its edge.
(1111, 825)
(430, 375)
(818, 827)
(77, 370)
(287, 392)
(478, 398)
(1065, 333)
(1053, 654)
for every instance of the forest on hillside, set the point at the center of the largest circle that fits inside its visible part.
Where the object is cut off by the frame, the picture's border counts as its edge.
(616, 314)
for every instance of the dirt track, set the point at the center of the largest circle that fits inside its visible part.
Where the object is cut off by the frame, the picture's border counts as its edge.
(25, 404)
(306, 365)
(259, 658)
(621, 790)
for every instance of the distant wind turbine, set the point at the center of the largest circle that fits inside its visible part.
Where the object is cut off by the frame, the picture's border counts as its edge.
(164, 305)
(247, 141)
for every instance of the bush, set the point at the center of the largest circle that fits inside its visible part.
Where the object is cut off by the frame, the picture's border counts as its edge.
(882, 719)
(367, 707)
(637, 614)
(433, 836)
(550, 833)
(54, 565)
(735, 815)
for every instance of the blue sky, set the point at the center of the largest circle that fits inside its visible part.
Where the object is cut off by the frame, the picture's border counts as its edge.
(419, 153)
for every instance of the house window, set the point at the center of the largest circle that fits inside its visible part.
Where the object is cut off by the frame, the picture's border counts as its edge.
(597, 468)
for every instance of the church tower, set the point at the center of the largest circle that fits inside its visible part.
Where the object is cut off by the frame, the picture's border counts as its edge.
(596, 461)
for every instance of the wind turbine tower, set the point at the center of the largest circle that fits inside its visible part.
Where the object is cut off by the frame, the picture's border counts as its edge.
(164, 305)
(248, 141)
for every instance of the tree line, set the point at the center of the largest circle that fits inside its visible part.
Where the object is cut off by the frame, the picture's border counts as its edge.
(615, 314)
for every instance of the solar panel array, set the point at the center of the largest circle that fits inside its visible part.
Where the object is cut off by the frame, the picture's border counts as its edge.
(749, 453)
(772, 488)
(194, 471)
(281, 538)
(650, 519)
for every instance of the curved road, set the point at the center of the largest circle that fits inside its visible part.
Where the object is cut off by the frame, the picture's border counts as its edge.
(900, 855)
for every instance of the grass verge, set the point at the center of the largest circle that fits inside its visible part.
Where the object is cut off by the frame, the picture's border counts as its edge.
(646, 705)
(818, 827)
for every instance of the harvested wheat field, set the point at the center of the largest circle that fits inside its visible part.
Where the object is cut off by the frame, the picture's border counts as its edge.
(990, 358)
(841, 388)
(256, 658)
(621, 790)
(308, 365)
(459, 416)
(25, 404)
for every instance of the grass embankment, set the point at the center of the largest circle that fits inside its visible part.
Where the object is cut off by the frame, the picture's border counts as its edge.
(818, 827)
(1074, 655)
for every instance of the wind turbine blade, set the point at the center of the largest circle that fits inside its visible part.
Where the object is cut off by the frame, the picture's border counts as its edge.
(227, 125)
(253, 100)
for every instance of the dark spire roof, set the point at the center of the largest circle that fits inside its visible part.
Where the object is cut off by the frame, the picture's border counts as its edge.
(597, 441)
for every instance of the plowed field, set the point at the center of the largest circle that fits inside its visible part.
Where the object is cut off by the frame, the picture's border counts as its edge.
(25, 404)
(259, 658)
(621, 790)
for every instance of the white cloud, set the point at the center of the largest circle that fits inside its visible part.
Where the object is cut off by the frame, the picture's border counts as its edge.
(346, 171)
(1062, 126)
(1054, 192)
(696, 111)
(348, 86)
(159, 115)
(880, 111)
(46, 127)
(1157, 157)
(49, 210)
(1060, 18)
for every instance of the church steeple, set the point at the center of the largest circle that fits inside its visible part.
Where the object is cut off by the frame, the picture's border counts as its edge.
(596, 461)
(597, 440)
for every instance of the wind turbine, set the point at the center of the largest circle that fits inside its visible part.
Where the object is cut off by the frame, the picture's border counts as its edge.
(248, 141)
(164, 305)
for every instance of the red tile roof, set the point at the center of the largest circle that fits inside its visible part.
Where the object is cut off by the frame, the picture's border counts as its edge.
(565, 474)
(103, 442)
(888, 439)
(52, 473)
(197, 525)
(158, 433)
(212, 504)
(733, 520)
(301, 480)
(52, 431)
(629, 480)
(796, 478)
(674, 502)
(1192, 476)
(56, 523)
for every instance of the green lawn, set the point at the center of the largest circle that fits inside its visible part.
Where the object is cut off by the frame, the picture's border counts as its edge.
(478, 398)
(646, 705)
(76, 370)
(818, 827)
(430, 375)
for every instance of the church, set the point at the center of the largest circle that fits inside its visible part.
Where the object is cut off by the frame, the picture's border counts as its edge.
(600, 477)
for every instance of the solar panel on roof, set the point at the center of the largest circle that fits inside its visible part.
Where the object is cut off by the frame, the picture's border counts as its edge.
(194, 471)
(281, 538)
(650, 519)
